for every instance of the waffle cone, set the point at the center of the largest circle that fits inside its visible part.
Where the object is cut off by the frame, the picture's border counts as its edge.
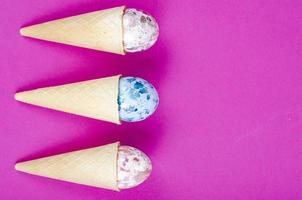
(93, 167)
(94, 98)
(100, 30)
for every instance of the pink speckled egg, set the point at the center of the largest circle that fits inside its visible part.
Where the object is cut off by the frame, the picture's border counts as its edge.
(134, 167)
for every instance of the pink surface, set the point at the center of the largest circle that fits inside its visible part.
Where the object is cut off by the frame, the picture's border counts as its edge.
(229, 123)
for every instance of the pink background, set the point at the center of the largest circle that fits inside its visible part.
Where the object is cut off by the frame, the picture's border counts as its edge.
(229, 124)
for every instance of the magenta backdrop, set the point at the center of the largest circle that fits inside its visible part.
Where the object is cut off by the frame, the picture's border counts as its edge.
(229, 124)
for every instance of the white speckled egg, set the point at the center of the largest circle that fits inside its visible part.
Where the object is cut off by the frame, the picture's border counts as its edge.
(140, 30)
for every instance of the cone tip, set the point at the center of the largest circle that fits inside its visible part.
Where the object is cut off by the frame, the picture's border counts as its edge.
(18, 96)
(26, 31)
(22, 167)
(23, 31)
(18, 167)
(22, 97)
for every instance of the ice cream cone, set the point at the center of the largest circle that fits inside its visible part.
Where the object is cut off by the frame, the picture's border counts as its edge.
(94, 98)
(93, 167)
(100, 30)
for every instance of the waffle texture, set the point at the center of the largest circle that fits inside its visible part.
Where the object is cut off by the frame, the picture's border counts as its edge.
(100, 30)
(94, 98)
(93, 167)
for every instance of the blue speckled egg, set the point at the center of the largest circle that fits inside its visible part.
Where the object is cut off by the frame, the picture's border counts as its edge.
(137, 99)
